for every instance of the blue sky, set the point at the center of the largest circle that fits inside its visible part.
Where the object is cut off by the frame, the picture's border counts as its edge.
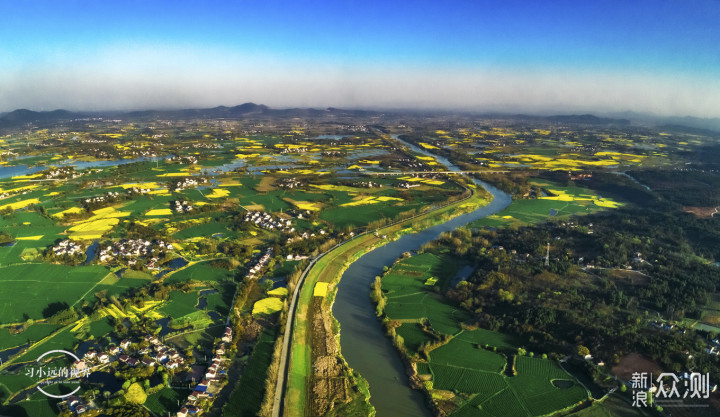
(656, 56)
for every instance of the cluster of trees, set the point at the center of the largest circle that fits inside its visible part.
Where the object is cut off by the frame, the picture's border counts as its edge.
(62, 317)
(689, 188)
(135, 230)
(5, 238)
(563, 306)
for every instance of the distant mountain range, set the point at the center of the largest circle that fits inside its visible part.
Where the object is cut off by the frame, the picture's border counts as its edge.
(251, 110)
(27, 116)
(247, 110)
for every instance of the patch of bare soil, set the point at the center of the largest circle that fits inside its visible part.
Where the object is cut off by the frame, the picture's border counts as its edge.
(329, 385)
(701, 212)
(635, 362)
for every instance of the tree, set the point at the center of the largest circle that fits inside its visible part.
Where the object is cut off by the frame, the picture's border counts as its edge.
(5, 237)
(583, 351)
(135, 394)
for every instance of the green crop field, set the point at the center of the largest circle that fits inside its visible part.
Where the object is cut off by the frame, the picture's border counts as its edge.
(529, 393)
(359, 216)
(534, 384)
(246, 399)
(482, 383)
(61, 340)
(100, 328)
(271, 201)
(33, 333)
(504, 404)
(464, 364)
(446, 377)
(572, 200)
(220, 301)
(467, 355)
(484, 337)
(197, 320)
(408, 298)
(180, 304)
(15, 382)
(43, 284)
(166, 400)
(37, 406)
(413, 336)
(201, 271)
(206, 230)
(115, 286)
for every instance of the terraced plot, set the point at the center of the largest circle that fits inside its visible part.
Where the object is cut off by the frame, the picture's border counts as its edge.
(467, 363)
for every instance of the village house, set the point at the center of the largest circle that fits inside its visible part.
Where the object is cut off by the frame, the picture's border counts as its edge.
(181, 206)
(266, 221)
(79, 365)
(68, 248)
(227, 337)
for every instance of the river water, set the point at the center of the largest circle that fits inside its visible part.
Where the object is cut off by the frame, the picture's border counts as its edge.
(362, 340)
(16, 170)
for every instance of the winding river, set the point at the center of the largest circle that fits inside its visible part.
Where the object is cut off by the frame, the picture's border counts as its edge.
(362, 340)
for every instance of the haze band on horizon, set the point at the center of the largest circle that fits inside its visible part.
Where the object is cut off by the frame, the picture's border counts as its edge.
(513, 56)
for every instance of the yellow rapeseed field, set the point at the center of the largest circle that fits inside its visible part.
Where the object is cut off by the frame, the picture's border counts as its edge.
(159, 212)
(321, 289)
(20, 204)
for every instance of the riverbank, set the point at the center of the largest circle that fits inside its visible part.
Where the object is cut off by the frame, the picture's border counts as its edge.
(329, 269)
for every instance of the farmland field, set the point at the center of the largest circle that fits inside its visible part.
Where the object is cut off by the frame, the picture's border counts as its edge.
(410, 299)
(33, 333)
(41, 285)
(470, 363)
(165, 400)
(200, 271)
(180, 304)
(134, 225)
(413, 336)
(246, 399)
(63, 339)
(561, 202)
(467, 355)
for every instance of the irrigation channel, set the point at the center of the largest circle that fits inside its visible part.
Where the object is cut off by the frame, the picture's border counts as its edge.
(362, 340)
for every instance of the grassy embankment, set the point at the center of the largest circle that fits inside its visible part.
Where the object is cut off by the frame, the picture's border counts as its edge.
(329, 269)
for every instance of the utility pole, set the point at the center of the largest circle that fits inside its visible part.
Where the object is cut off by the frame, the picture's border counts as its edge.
(547, 255)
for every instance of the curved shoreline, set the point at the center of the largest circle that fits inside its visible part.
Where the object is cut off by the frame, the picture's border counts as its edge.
(295, 324)
(363, 346)
(363, 343)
